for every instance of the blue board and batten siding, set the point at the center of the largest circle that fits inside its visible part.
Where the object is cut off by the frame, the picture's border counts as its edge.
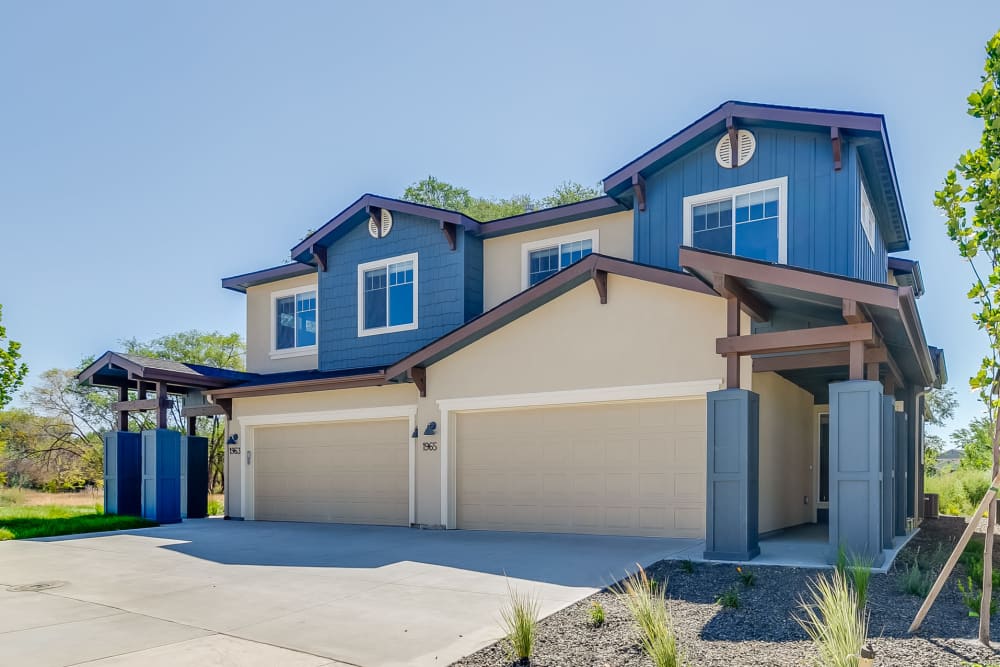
(823, 212)
(449, 291)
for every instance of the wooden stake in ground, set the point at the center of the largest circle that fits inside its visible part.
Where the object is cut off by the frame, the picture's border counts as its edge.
(991, 523)
(990, 496)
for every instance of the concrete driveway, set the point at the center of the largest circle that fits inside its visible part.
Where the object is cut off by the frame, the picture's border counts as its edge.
(213, 592)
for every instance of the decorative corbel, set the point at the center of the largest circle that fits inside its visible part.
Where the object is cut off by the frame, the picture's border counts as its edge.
(600, 279)
(835, 140)
(419, 376)
(319, 253)
(639, 184)
(450, 233)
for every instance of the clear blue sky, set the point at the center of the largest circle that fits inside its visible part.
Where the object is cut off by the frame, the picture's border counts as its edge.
(149, 149)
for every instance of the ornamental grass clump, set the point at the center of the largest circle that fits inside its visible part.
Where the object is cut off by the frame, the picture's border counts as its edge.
(646, 602)
(834, 621)
(519, 618)
(597, 615)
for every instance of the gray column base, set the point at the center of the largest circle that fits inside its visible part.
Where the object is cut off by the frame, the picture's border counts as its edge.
(732, 555)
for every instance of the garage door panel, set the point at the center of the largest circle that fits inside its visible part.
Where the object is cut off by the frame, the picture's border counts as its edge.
(344, 472)
(626, 469)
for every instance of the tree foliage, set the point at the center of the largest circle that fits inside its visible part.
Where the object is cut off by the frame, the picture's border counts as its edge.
(12, 369)
(976, 443)
(433, 192)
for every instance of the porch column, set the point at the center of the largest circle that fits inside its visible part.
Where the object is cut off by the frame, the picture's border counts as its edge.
(855, 463)
(903, 433)
(122, 473)
(888, 476)
(161, 475)
(732, 479)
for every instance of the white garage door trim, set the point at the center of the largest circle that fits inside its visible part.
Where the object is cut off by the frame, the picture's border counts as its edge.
(451, 406)
(251, 422)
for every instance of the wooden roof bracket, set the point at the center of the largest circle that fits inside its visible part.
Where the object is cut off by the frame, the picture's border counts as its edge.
(730, 287)
(734, 140)
(639, 184)
(419, 376)
(835, 140)
(319, 252)
(450, 230)
(376, 212)
(600, 279)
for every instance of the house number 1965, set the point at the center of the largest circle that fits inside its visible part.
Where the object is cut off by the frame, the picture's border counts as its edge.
(430, 446)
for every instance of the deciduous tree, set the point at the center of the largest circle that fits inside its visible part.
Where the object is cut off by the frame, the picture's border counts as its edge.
(12, 369)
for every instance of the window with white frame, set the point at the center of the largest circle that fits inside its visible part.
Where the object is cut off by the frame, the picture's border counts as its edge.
(294, 317)
(748, 220)
(387, 295)
(867, 217)
(541, 259)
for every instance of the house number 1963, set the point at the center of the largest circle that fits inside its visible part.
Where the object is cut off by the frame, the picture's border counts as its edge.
(430, 446)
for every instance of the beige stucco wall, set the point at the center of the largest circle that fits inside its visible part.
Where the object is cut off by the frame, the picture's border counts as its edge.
(502, 268)
(259, 325)
(316, 401)
(645, 334)
(787, 444)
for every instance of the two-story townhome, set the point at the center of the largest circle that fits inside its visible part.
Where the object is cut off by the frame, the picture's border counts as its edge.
(719, 347)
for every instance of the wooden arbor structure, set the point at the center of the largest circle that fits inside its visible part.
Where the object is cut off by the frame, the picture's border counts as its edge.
(132, 373)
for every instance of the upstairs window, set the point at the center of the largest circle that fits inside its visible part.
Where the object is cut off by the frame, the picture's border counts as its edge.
(749, 220)
(867, 217)
(294, 316)
(387, 295)
(541, 259)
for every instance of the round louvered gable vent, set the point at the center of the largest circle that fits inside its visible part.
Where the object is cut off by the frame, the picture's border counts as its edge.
(747, 144)
(382, 226)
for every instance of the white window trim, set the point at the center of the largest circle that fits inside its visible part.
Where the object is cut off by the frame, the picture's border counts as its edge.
(450, 407)
(527, 248)
(731, 193)
(275, 353)
(368, 266)
(866, 200)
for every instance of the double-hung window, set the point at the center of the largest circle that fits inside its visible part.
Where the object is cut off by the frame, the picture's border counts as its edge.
(294, 321)
(541, 259)
(748, 220)
(867, 217)
(387, 295)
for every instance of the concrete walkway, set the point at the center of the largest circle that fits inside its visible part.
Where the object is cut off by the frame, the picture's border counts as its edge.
(212, 592)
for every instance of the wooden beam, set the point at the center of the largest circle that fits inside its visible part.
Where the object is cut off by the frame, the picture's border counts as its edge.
(733, 319)
(135, 406)
(820, 359)
(227, 405)
(163, 404)
(639, 184)
(729, 286)
(600, 279)
(419, 376)
(319, 252)
(123, 414)
(797, 339)
(192, 425)
(207, 410)
(852, 312)
(732, 371)
(734, 141)
(855, 367)
(871, 371)
(450, 231)
(835, 140)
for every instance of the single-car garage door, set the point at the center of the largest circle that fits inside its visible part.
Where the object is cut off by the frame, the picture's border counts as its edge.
(617, 469)
(344, 472)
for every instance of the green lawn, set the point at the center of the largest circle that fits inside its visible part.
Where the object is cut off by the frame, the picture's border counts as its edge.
(23, 521)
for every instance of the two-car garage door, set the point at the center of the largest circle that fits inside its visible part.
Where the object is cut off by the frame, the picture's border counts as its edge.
(342, 472)
(620, 468)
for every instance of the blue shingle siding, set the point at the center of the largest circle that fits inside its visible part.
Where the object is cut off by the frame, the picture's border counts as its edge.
(823, 204)
(445, 279)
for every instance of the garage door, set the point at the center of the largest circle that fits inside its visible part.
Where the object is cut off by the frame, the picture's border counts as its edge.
(347, 472)
(618, 469)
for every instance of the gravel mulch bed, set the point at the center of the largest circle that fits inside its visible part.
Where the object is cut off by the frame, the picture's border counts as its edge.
(762, 631)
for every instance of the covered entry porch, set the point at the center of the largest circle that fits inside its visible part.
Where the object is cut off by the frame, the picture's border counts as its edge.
(858, 350)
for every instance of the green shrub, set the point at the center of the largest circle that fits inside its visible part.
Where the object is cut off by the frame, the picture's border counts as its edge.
(520, 623)
(960, 490)
(748, 577)
(972, 596)
(916, 581)
(834, 621)
(6, 535)
(215, 507)
(647, 604)
(729, 598)
(597, 616)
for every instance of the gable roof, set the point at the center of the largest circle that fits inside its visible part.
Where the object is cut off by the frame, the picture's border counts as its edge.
(746, 114)
(244, 281)
(117, 369)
